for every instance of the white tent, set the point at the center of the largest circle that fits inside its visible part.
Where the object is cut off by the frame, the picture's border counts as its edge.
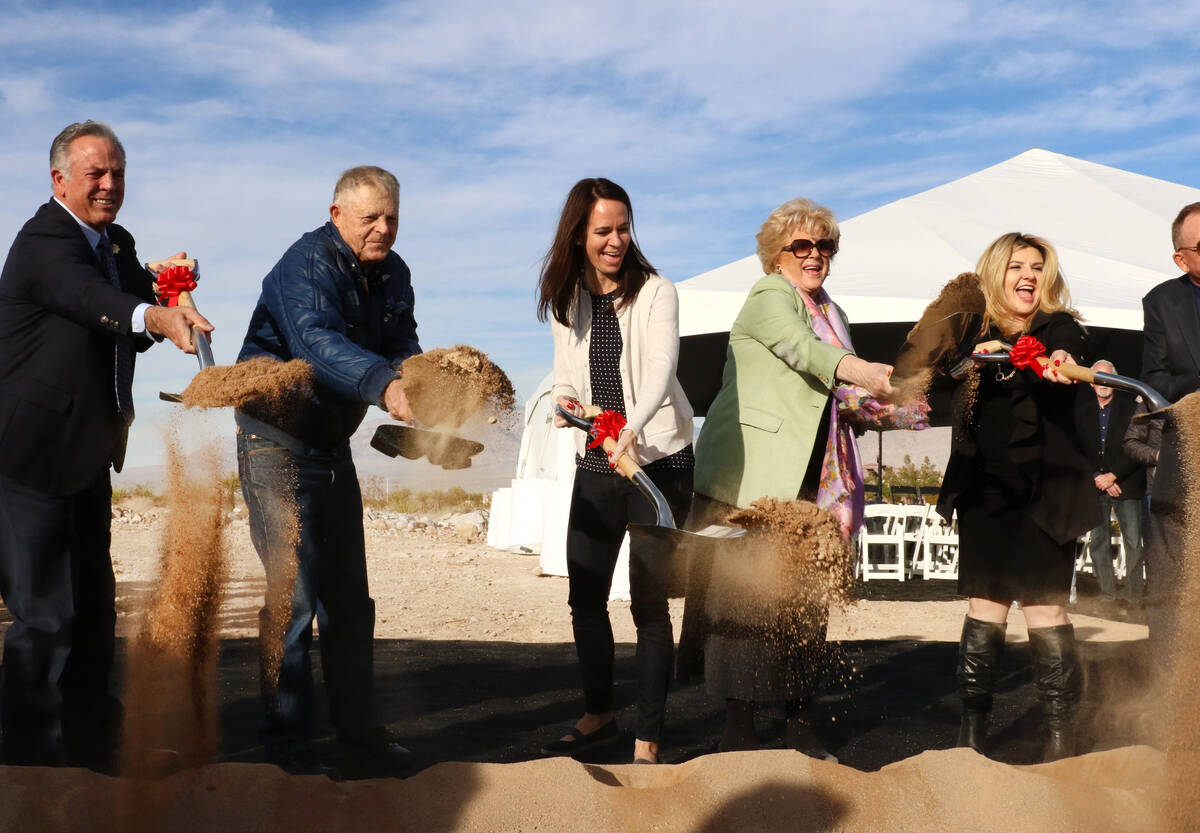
(1111, 229)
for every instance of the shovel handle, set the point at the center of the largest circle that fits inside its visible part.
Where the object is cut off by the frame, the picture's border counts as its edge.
(626, 464)
(1071, 371)
(199, 337)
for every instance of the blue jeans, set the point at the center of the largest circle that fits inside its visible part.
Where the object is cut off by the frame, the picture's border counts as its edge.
(330, 586)
(1129, 519)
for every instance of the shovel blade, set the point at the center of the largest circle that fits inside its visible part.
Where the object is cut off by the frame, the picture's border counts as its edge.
(682, 536)
(443, 450)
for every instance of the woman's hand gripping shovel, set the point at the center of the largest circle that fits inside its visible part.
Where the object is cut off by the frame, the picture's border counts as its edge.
(1028, 352)
(664, 528)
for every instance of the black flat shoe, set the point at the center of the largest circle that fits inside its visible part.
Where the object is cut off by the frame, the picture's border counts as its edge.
(576, 740)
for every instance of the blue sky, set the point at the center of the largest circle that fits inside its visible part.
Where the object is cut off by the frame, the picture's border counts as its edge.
(238, 119)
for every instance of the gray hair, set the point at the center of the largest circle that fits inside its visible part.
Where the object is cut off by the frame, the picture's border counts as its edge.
(355, 178)
(60, 148)
(1096, 366)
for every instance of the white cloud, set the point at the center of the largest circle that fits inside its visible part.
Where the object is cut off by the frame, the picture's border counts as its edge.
(238, 119)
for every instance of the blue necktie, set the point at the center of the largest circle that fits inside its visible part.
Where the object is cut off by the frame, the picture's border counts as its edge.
(123, 349)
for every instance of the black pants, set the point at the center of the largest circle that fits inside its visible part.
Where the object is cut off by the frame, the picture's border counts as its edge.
(602, 505)
(57, 580)
(331, 586)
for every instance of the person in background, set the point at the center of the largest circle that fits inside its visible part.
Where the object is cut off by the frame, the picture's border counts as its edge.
(774, 430)
(1022, 488)
(1142, 441)
(1102, 420)
(615, 325)
(75, 308)
(341, 300)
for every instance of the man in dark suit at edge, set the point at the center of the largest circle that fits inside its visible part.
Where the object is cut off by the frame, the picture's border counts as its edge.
(75, 305)
(1171, 365)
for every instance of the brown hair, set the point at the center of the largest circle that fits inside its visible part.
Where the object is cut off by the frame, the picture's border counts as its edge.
(1180, 218)
(563, 266)
(1053, 295)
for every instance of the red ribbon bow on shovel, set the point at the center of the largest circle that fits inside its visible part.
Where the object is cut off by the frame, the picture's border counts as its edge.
(173, 280)
(606, 424)
(1026, 352)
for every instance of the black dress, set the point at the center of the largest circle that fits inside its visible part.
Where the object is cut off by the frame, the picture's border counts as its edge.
(1018, 478)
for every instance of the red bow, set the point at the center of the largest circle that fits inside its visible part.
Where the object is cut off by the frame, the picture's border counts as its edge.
(173, 280)
(606, 424)
(1026, 352)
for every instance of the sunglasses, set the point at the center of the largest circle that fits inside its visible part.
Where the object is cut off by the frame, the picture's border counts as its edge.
(801, 248)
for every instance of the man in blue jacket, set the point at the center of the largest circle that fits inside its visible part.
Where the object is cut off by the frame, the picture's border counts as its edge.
(341, 300)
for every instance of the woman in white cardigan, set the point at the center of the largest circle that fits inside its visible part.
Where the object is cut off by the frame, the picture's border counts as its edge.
(616, 344)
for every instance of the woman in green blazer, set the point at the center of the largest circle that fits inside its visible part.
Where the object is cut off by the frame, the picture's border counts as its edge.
(772, 431)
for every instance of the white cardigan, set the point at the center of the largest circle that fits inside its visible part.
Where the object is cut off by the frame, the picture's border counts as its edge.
(656, 408)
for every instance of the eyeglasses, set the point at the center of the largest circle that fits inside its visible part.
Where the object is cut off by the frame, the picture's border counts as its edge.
(1195, 249)
(801, 248)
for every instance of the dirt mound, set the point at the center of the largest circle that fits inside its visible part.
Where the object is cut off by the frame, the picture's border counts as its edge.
(949, 791)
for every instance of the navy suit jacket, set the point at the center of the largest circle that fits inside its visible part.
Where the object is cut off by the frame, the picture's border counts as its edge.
(60, 317)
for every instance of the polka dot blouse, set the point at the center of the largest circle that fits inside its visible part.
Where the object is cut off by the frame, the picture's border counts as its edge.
(604, 365)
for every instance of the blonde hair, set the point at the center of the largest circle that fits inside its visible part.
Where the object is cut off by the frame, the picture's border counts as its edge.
(794, 215)
(1053, 295)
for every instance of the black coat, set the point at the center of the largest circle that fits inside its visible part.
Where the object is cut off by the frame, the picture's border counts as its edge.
(1048, 452)
(1131, 475)
(1171, 339)
(1170, 365)
(59, 319)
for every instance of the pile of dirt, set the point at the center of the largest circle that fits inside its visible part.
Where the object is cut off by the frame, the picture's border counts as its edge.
(264, 387)
(945, 791)
(446, 387)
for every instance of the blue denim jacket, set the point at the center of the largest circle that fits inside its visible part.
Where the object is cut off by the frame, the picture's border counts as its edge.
(354, 325)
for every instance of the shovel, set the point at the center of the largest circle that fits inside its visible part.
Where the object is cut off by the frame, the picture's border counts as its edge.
(443, 450)
(1155, 401)
(664, 528)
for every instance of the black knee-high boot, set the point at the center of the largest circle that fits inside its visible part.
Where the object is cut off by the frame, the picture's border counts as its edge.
(1059, 682)
(979, 652)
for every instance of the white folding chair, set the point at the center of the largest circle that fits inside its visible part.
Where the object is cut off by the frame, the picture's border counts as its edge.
(881, 543)
(939, 557)
(913, 517)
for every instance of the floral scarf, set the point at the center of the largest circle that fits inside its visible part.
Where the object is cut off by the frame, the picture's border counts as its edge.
(841, 487)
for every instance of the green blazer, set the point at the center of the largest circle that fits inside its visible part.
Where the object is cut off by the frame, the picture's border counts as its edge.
(759, 432)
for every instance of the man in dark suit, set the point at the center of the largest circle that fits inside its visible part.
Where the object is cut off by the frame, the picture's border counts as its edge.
(1171, 365)
(1102, 420)
(75, 305)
